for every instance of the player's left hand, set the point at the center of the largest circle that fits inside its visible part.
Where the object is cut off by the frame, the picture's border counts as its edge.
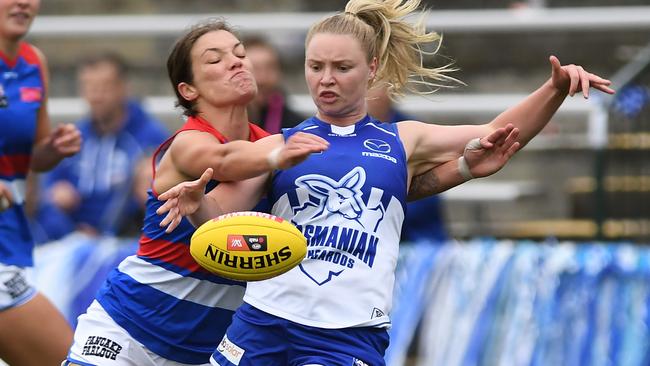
(489, 154)
(572, 79)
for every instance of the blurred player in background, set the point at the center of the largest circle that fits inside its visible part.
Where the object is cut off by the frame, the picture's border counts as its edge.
(270, 108)
(92, 192)
(32, 331)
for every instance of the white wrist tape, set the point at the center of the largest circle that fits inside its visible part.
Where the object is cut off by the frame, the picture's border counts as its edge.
(474, 144)
(274, 158)
(463, 169)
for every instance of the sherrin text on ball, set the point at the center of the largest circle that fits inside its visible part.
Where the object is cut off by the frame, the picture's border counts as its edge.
(248, 246)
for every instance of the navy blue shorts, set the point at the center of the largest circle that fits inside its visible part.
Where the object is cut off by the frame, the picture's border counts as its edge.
(257, 338)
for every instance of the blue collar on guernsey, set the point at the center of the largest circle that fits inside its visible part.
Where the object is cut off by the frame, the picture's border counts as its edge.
(343, 130)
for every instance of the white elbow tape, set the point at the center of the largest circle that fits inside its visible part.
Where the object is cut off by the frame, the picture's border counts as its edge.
(463, 169)
(274, 158)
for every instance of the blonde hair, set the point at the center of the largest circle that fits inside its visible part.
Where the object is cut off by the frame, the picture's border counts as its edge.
(380, 28)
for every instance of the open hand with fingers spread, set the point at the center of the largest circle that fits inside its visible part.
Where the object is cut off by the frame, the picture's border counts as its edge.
(298, 147)
(572, 79)
(487, 155)
(183, 199)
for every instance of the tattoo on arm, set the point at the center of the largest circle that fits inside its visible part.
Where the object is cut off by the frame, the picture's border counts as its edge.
(424, 185)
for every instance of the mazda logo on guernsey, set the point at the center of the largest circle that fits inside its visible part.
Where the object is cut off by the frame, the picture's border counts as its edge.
(377, 145)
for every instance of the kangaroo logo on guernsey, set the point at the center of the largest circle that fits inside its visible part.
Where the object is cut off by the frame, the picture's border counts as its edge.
(340, 226)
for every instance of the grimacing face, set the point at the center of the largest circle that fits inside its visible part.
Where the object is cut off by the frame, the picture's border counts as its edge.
(221, 70)
(337, 74)
(16, 16)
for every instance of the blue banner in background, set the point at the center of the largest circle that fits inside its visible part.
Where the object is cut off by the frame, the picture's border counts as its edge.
(523, 303)
(69, 271)
(481, 302)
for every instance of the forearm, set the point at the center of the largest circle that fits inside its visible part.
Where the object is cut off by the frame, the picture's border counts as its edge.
(43, 158)
(242, 160)
(436, 180)
(533, 113)
(208, 209)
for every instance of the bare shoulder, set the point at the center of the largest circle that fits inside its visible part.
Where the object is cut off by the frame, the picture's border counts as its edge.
(43, 62)
(39, 54)
(192, 140)
(412, 130)
(182, 160)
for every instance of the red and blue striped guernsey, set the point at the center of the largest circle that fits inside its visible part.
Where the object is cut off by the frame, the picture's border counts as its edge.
(161, 296)
(22, 92)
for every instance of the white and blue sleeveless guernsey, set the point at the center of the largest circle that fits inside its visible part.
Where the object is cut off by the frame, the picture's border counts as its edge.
(349, 202)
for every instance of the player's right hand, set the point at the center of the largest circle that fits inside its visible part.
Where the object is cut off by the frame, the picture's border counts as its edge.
(298, 147)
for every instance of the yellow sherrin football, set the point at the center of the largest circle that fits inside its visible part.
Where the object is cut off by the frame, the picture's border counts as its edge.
(248, 246)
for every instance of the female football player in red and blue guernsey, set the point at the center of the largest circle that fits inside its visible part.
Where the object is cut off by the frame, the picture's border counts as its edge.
(32, 331)
(159, 307)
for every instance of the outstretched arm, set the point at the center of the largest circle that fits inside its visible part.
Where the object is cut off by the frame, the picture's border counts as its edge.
(482, 157)
(536, 110)
(430, 144)
(192, 152)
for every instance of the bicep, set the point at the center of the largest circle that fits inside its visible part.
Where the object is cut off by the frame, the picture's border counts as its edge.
(427, 145)
(192, 152)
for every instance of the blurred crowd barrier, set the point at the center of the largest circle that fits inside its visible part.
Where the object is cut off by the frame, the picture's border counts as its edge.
(69, 271)
(480, 302)
(488, 302)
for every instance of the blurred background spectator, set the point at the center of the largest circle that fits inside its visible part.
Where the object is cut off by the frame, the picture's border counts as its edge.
(93, 191)
(269, 109)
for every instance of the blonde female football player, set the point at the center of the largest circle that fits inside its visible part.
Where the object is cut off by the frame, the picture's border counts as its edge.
(333, 309)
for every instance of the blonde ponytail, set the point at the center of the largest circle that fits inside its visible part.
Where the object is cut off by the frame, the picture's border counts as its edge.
(383, 33)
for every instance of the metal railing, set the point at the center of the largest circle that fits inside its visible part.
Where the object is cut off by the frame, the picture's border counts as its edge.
(491, 20)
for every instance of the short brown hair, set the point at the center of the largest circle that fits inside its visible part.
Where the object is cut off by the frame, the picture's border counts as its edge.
(179, 62)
